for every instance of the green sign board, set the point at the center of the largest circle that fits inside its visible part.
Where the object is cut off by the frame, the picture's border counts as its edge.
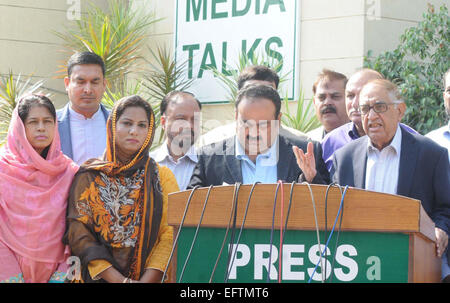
(363, 257)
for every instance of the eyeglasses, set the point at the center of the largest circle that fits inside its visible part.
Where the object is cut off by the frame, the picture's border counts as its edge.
(379, 107)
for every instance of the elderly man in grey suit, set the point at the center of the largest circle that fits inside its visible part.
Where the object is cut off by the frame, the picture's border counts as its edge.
(82, 122)
(392, 160)
(258, 152)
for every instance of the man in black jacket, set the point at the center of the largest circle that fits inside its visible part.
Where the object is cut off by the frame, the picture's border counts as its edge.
(258, 152)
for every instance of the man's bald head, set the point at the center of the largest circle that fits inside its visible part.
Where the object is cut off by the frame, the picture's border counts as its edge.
(352, 90)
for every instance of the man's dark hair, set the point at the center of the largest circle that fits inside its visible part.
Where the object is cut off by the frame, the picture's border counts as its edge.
(260, 91)
(258, 72)
(172, 96)
(85, 58)
(329, 75)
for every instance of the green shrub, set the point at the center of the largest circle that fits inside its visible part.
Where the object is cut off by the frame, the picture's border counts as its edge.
(417, 66)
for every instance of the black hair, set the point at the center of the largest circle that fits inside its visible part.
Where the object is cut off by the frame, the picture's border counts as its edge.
(260, 91)
(133, 101)
(258, 72)
(170, 97)
(80, 58)
(27, 102)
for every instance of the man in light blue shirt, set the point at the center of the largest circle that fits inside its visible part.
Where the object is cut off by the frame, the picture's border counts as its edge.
(263, 170)
(442, 135)
(258, 152)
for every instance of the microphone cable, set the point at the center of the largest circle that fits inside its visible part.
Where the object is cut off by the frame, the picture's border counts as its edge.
(179, 231)
(317, 227)
(332, 230)
(196, 233)
(240, 231)
(280, 255)
(289, 207)
(233, 230)
(337, 236)
(271, 233)
(236, 188)
(326, 215)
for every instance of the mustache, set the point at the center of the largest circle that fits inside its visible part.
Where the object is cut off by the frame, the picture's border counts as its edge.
(184, 139)
(329, 109)
(251, 138)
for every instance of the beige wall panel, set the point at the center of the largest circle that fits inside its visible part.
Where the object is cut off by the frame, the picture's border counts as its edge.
(27, 45)
(384, 34)
(321, 9)
(310, 69)
(38, 26)
(332, 38)
(47, 5)
(37, 59)
(218, 111)
(408, 10)
(39, 4)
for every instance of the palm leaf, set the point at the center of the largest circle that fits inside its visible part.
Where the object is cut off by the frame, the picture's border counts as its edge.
(11, 90)
(304, 119)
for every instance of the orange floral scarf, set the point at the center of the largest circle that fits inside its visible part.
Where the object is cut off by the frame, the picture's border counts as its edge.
(115, 209)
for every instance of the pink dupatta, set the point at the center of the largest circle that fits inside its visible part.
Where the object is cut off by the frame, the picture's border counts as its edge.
(33, 196)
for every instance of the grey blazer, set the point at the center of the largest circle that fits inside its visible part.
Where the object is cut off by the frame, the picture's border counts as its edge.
(424, 173)
(63, 116)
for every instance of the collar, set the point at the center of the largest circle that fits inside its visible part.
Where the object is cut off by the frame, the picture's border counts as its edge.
(162, 154)
(395, 144)
(353, 131)
(79, 116)
(268, 155)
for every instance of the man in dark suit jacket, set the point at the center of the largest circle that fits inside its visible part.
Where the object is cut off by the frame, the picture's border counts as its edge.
(239, 158)
(390, 159)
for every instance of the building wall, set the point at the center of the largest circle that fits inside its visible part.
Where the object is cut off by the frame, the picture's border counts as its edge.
(334, 34)
(28, 45)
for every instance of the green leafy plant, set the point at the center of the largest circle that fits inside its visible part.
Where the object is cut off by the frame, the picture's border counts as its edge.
(117, 35)
(12, 88)
(163, 75)
(417, 66)
(304, 118)
(110, 97)
(229, 77)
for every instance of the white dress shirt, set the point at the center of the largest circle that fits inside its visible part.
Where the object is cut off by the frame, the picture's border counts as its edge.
(441, 136)
(382, 166)
(182, 169)
(317, 134)
(88, 135)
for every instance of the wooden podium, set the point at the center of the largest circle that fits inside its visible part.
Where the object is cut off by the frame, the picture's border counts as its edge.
(379, 238)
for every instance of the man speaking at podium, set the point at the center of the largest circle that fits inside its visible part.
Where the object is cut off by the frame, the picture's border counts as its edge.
(257, 153)
(391, 160)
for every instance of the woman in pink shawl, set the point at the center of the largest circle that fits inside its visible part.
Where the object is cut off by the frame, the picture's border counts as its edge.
(35, 178)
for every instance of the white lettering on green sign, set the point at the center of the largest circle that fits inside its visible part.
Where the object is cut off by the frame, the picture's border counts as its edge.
(346, 269)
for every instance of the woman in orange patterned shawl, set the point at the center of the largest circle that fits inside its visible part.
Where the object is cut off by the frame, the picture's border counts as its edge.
(117, 212)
